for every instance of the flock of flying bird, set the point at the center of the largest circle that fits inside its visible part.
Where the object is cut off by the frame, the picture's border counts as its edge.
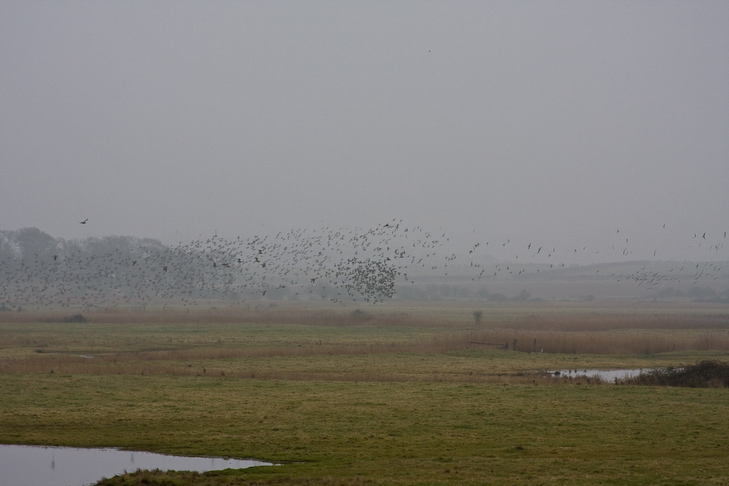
(338, 264)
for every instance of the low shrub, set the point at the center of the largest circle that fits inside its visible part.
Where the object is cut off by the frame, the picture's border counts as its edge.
(358, 315)
(705, 374)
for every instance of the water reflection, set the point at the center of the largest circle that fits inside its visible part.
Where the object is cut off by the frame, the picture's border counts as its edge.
(608, 376)
(66, 466)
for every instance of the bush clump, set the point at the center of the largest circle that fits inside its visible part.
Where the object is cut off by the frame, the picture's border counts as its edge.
(360, 316)
(74, 318)
(705, 374)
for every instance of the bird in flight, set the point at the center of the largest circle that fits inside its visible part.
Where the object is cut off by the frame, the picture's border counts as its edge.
(84, 221)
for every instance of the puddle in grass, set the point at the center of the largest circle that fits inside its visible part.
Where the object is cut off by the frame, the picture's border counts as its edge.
(608, 376)
(67, 466)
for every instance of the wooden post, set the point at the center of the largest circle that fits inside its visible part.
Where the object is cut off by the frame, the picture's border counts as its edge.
(514, 344)
(535, 345)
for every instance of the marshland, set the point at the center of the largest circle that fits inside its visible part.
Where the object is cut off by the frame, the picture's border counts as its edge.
(357, 240)
(400, 393)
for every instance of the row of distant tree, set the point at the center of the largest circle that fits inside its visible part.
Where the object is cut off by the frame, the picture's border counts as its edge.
(38, 269)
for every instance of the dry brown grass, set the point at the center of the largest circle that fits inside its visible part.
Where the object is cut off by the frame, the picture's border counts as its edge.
(605, 342)
(372, 362)
(535, 316)
(382, 344)
(309, 315)
(606, 322)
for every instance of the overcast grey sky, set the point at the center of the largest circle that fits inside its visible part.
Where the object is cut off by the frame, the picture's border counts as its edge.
(566, 124)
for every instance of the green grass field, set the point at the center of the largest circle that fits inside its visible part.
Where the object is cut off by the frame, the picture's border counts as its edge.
(410, 396)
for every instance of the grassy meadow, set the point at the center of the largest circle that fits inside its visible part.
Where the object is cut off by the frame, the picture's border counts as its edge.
(392, 394)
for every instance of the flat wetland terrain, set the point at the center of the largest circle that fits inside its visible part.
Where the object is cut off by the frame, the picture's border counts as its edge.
(390, 394)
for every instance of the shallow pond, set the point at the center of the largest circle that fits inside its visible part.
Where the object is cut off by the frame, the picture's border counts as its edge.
(608, 376)
(66, 466)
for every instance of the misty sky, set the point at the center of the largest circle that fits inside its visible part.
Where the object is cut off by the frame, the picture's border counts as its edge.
(572, 125)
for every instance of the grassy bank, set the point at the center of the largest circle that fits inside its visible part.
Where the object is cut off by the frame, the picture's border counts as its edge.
(391, 433)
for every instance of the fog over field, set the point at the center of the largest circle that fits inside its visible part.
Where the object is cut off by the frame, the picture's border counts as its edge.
(390, 261)
(590, 132)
